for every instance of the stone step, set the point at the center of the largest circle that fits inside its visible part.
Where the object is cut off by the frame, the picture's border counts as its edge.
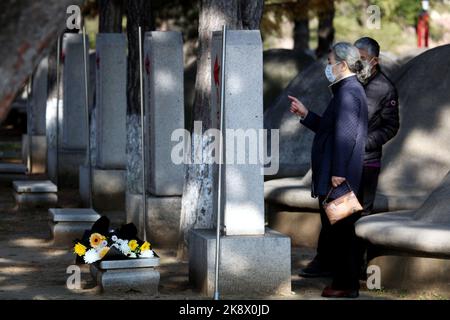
(129, 263)
(73, 215)
(12, 168)
(68, 224)
(41, 186)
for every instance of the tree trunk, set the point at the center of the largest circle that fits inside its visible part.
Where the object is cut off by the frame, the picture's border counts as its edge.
(326, 30)
(139, 13)
(28, 29)
(301, 34)
(200, 180)
(110, 16)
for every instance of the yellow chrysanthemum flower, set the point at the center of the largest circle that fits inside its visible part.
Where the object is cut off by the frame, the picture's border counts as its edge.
(145, 246)
(95, 239)
(103, 252)
(79, 249)
(133, 245)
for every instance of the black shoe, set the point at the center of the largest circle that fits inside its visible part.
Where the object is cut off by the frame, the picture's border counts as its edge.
(329, 292)
(314, 269)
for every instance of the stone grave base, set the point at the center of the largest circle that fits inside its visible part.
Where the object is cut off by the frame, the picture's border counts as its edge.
(35, 193)
(38, 152)
(17, 168)
(66, 225)
(401, 271)
(124, 275)
(108, 188)
(258, 265)
(163, 218)
(68, 162)
(303, 227)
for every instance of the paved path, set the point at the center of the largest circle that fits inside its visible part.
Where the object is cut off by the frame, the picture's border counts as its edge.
(30, 268)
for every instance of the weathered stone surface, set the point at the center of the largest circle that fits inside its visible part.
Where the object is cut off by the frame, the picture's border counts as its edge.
(39, 94)
(243, 202)
(35, 152)
(73, 215)
(248, 264)
(111, 101)
(164, 109)
(64, 233)
(68, 163)
(12, 168)
(108, 188)
(129, 263)
(134, 154)
(414, 274)
(36, 186)
(425, 230)
(145, 280)
(163, 218)
(51, 134)
(41, 199)
(74, 128)
(302, 226)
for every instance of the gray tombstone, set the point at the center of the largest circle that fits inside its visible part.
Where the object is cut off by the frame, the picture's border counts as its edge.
(35, 141)
(164, 99)
(164, 108)
(249, 252)
(243, 119)
(74, 128)
(111, 100)
(108, 130)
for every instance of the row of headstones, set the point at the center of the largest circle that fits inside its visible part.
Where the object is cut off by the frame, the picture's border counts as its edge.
(116, 171)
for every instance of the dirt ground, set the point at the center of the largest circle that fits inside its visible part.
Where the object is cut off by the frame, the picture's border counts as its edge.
(32, 268)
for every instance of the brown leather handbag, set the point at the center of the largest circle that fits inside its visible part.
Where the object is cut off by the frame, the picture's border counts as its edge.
(342, 207)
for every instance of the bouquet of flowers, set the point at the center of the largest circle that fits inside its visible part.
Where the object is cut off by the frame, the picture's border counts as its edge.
(102, 243)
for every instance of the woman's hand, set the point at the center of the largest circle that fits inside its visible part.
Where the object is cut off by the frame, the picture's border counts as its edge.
(297, 107)
(337, 181)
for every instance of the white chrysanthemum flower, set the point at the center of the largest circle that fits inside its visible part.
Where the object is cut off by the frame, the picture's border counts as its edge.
(124, 248)
(114, 238)
(132, 255)
(115, 245)
(91, 256)
(147, 254)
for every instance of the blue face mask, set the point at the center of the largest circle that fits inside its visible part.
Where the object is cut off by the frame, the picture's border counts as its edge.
(329, 72)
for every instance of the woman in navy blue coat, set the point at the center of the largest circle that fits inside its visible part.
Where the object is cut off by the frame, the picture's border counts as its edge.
(337, 157)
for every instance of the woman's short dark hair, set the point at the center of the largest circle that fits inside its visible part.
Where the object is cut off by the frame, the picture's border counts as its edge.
(370, 45)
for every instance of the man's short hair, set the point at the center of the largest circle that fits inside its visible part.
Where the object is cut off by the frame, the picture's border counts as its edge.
(370, 45)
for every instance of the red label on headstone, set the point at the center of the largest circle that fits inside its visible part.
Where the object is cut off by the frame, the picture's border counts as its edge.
(63, 55)
(216, 72)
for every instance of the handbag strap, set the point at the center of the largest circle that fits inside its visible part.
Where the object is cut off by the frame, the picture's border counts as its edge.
(331, 190)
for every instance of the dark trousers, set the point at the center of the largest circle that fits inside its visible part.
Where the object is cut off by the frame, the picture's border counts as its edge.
(342, 250)
(339, 249)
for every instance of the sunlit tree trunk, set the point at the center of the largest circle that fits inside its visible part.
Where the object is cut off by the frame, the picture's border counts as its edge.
(28, 29)
(139, 13)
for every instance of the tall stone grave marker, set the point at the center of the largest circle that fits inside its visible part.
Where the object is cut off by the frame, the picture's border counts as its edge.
(253, 259)
(109, 158)
(164, 108)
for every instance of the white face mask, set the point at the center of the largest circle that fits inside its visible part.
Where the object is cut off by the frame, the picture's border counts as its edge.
(329, 72)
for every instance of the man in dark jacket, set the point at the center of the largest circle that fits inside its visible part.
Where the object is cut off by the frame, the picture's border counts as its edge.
(383, 125)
